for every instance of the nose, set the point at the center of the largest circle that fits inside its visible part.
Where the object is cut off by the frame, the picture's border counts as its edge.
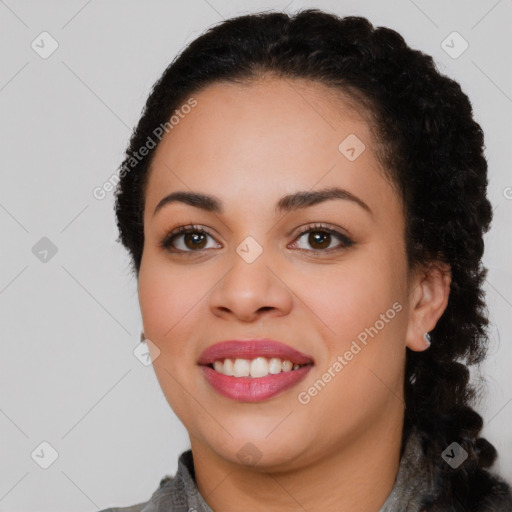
(250, 291)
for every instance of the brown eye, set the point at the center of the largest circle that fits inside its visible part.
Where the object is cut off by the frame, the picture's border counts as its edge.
(322, 239)
(319, 239)
(187, 240)
(194, 240)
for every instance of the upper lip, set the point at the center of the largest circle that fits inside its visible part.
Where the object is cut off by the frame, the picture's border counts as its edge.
(250, 349)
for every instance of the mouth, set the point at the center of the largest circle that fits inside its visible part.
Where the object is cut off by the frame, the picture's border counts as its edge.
(254, 370)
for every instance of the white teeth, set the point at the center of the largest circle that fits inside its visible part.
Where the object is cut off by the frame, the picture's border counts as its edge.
(242, 368)
(275, 365)
(258, 367)
(229, 367)
(287, 366)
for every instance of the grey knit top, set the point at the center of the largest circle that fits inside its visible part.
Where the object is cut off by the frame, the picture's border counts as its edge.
(415, 485)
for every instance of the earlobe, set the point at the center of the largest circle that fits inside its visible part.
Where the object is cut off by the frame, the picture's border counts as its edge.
(428, 303)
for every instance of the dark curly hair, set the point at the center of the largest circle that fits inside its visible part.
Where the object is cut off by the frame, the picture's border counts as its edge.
(431, 148)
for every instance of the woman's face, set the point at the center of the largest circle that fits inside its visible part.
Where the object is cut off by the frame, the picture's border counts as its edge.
(340, 297)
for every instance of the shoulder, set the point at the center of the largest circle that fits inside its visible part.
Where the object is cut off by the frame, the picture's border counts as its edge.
(144, 506)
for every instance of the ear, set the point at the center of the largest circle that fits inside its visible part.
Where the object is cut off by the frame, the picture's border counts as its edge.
(429, 294)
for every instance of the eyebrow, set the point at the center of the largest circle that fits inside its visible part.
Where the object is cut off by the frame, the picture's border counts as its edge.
(288, 203)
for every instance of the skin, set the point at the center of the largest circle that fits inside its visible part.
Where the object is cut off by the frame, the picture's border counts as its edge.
(249, 145)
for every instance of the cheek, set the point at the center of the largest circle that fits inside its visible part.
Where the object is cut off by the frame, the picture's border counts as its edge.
(167, 298)
(351, 296)
(361, 303)
(365, 319)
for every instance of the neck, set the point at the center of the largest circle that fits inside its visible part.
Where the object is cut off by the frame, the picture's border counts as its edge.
(339, 479)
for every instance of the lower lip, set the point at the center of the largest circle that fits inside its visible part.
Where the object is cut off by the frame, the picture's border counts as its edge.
(253, 389)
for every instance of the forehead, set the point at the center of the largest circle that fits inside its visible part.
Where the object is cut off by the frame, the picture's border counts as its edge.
(264, 137)
(266, 112)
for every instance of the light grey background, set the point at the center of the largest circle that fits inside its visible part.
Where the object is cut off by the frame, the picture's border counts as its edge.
(68, 375)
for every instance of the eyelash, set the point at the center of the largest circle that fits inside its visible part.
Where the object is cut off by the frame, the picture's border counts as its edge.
(345, 241)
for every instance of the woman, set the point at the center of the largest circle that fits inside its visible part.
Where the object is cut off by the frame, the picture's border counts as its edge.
(304, 201)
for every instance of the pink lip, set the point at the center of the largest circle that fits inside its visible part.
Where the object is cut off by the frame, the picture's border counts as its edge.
(251, 389)
(250, 349)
